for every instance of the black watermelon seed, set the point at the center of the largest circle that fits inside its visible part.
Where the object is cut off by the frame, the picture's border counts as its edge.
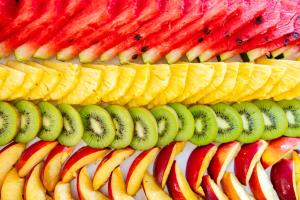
(259, 20)
(298, 18)
(144, 49)
(295, 35)
(135, 56)
(200, 39)
(70, 40)
(138, 37)
(227, 34)
(239, 41)
(286, 42)
(206, 31)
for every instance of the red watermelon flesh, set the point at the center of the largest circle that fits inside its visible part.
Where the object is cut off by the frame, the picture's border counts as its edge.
(261, 25)
(126, 12)
(147, 10)
(7, 11)
(26, 50)
(170, 10)
(27, 10)
(215, 14)
(97, 13)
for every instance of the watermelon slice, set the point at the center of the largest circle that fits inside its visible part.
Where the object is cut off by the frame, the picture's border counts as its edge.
(97, 13)
(170, 10)
(7, 12)
(26, 50)
(146, 10)
(216, 12)
(27, 10)
(126, 12)
(259, 25)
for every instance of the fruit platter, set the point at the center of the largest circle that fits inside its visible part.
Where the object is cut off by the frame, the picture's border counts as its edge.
(149, 99)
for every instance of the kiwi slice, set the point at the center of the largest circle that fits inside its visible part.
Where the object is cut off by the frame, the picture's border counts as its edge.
(99, 129)
(31, 121)
(167, 124)
(274, 117)
(253, 122)
(123, 124)
(9, 122)
(206, 128)
(52, 121)
(186, 122)
(230, 124)
(292, 112)
(145, 129)
(72, 126)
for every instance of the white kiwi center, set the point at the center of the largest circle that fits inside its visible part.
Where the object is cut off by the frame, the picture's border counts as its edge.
(291, 117)
(139, 129)
(222, 123)
(267, 120)
(245, 122)
(95, 126)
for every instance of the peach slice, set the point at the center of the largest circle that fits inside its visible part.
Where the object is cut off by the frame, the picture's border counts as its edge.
(84, 156)
(116, 186)
(85, 188)
(108, 164)
(164, 160)
(9, 155)
(197, 164)
(33, 188)
(12, 188)
(137, 170)
(225, 154)
(260, 184)
(53, 164)
(33, 155)
(212, 190)
(247, 158)
(152, 190)
(62, 191)
(278, 149)
(178, 186)
(283, 179)
(233, 188)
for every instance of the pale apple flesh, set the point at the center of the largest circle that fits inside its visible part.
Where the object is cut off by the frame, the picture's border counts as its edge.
(212, 190)
(296, 158)
(137, 170)
(116, 186)
(62, 191)
(12, 188)
(108, 164)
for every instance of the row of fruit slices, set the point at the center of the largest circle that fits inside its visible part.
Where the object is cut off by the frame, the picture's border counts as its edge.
(47, 168)
(150, 85)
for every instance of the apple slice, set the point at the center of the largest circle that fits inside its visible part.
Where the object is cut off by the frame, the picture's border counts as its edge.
(12, 188)
(116, 186)
(233, 188)
(108, 164)
(212, 190)
(296, 158)
(62, 191)
(247, 158)
(178, 186)
(152, 190)
(33, 188)
(9, 155)
(85, 188)
(137, 170)
(84, 156)
(33, 155)
(225, 154)
(261, 185)
(283, 179)
(197, 164)
(278, 149)
(164, 160)
(53, 165)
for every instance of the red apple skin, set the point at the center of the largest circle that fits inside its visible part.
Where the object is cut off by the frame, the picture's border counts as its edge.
(208, 190)
(110, 192)
(244, 158)
(282, 174)
(173, 185)
(217, 162)
(7, 147)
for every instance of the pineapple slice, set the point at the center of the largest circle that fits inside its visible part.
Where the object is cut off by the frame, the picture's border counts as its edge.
(199, 76)
(277, 73)
(69, 79)
(49, 81)
(290, 79)
(159, 81)
(110, 77)
(176, 85)
(139, 84)
(226, 86)
(125, 81)
(3, 75)
(32, 78)
(89, 81)
(260, 76)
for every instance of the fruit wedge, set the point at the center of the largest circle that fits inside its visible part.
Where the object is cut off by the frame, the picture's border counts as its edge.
(70, 77)
(32, 78)
(12, 188)
(3, 75)
(62, 191)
